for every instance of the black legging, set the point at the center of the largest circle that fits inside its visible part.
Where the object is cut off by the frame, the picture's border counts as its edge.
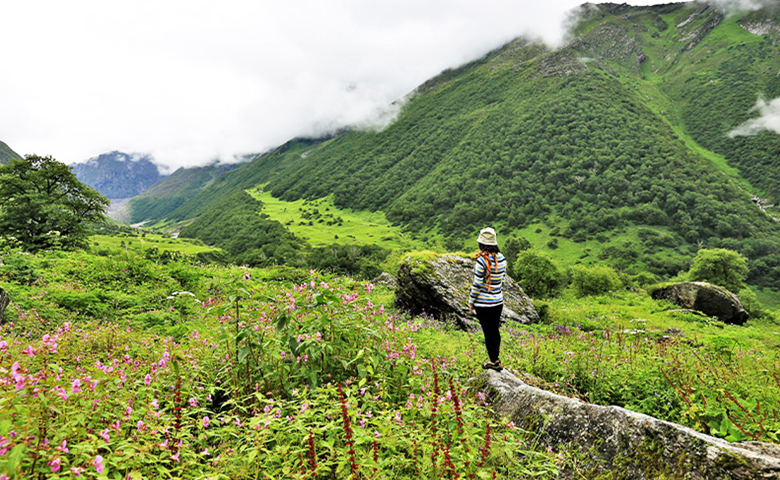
(490, 319)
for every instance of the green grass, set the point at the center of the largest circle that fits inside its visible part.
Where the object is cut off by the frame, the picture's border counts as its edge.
(768, 298)
(146, 241)
(356, 227)
(632, 311)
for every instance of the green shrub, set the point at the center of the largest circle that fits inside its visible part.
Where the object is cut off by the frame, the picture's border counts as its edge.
(18, 268)
(537, 273)
(751, 303)
(595, 280)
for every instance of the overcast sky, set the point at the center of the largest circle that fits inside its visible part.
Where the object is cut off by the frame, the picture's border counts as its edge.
(190, 81)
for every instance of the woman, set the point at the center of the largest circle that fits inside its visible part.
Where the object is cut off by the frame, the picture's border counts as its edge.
(487, 299)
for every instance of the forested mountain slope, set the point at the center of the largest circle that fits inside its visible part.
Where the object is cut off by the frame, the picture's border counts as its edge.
(626, 126)
(6, 154)
(172, 191)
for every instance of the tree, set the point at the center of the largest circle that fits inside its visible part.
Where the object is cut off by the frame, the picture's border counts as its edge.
(595, 280)
(537, 273)
(720, 266)
(43, 205)
(512, 248)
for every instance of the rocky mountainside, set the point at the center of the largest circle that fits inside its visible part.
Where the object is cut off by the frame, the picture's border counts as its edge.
(644, 138)
(6, 154)
(118, 175)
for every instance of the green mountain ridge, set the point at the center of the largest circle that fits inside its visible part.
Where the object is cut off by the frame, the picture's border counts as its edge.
(6, 154)
(621, 133)
(174, 190)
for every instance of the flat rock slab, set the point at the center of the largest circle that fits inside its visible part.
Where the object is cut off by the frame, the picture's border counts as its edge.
(439, 285)
(707, 298)
(624, 443)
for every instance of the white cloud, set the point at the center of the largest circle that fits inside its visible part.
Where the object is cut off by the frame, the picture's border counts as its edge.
(769, 119)
(190, 81)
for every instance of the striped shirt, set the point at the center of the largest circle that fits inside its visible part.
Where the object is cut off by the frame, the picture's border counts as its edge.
(480, 297)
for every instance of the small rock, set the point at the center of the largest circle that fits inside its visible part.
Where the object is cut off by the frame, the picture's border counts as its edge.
(387, 280)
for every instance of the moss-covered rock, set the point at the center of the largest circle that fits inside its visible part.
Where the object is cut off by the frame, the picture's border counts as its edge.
(620, 444)
(707, 298)
(439, 285)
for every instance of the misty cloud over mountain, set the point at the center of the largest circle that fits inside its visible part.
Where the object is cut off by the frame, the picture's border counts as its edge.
(769, 119)
(190, 82)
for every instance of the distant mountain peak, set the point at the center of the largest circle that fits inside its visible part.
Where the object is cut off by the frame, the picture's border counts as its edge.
(118, 174)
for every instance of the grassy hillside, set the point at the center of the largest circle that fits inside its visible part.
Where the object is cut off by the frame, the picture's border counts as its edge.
(321, 223)
(614, 145)
(6, 154)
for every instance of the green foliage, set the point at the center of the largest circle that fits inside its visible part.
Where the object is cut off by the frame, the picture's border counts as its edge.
(538, 274)
(596, 280)
(511, 249)
(238, 227)
(722, 267)
(257, 379)
(750, 301)
(44, 206)
(354, 260)
(157, 202)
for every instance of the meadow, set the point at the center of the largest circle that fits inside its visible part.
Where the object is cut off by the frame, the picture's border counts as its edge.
(124, 366)
(316, 221)
(210, 372)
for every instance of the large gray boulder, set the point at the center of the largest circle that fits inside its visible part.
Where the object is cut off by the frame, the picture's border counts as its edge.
(439, 285)
(4, 301)
(624, 443)
(707, 298)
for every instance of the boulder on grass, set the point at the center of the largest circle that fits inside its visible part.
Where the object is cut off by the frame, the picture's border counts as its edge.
(439, 285)
(619, 442)
(707, 298)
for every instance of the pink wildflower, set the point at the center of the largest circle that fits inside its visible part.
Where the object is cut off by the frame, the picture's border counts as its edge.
(75, 387)
(29, 351)
(193, 402)
(176, 457)
(55, 465)
(206, 421)
(63, 448)
(77, 471)
(98, 464)
(148, 380)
